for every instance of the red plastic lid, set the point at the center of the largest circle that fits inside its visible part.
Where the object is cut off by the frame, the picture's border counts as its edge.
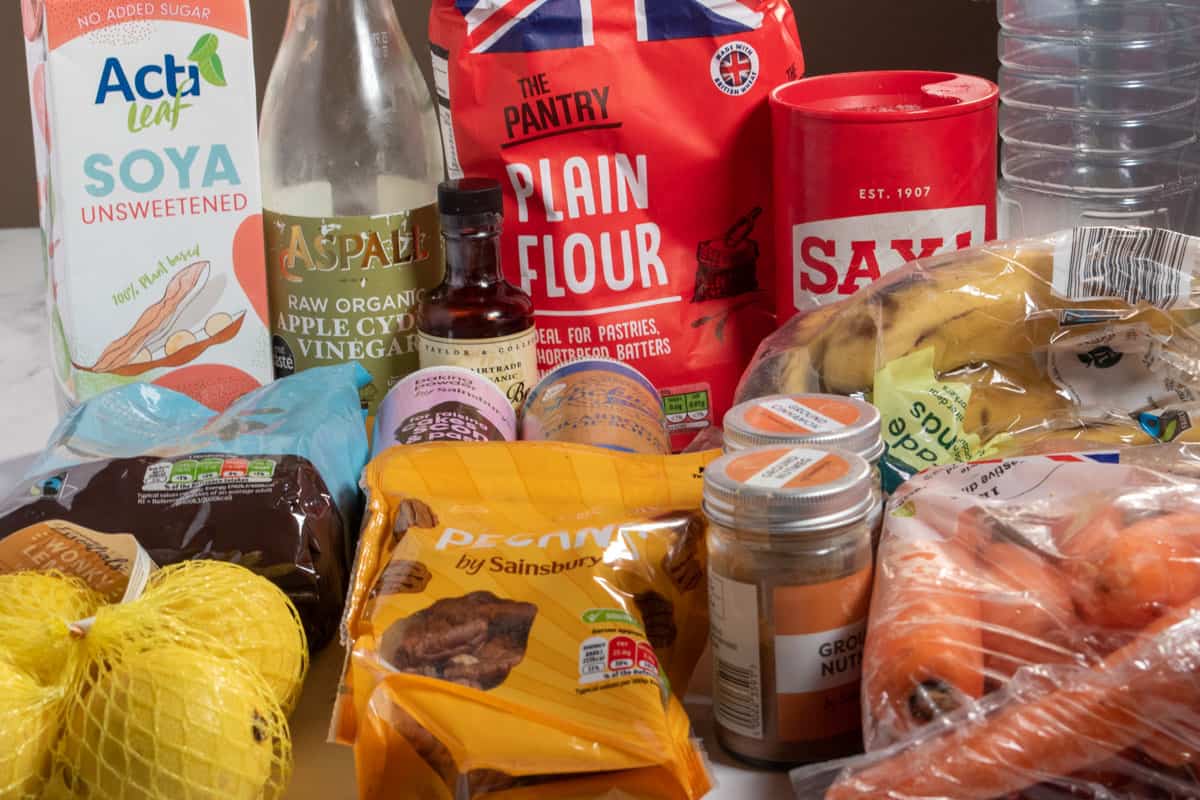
(886, 96)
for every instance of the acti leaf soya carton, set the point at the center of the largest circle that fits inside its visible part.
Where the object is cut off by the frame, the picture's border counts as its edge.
(148, 188)
(632, 139)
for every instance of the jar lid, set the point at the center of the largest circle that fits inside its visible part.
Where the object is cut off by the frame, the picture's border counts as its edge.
(783, 489)
(842, 422)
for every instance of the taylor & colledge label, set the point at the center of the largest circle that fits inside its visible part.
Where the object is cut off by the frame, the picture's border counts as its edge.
(510, 362)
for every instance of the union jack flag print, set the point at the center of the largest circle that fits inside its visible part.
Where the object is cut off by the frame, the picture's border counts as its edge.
(735, 68)
(523, 26)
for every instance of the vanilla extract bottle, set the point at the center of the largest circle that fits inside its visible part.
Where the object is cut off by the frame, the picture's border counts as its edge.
(475, 318)
(351, 159)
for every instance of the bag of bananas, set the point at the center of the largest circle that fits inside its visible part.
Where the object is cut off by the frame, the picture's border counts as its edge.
(1086, 339)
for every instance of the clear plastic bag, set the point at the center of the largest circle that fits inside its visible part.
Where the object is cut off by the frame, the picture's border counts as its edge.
(1034, 633)
(1081, 339)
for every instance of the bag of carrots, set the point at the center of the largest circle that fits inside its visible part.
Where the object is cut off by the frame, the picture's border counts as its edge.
(1034, 633)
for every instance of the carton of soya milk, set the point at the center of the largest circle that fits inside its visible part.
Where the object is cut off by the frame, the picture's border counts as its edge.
(148, 187)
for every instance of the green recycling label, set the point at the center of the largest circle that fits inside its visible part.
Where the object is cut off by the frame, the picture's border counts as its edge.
(346, 289)
(595, 616)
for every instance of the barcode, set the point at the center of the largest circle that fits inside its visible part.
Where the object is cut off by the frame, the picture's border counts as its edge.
(441, 87)
(1137, 265)
(739, 698)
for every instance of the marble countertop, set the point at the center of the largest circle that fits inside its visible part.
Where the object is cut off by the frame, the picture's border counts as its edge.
(27, 407)
(28, 413)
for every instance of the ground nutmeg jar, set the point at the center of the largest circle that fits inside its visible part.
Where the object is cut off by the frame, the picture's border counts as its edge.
(790, 572)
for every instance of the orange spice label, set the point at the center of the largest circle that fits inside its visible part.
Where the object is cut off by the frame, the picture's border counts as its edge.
(820, 631)
(788, 468)
(802, 415)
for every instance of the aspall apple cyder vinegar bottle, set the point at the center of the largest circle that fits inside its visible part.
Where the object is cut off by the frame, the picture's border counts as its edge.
(351, 160)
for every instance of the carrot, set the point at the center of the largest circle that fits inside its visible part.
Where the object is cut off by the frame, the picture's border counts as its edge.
(1167, 749)
(923, 655)
(1026, 610)
(1094, 536)
(1064, 731)
(1131, 578)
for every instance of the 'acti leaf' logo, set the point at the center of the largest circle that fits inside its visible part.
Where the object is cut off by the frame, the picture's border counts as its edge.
(205, 57)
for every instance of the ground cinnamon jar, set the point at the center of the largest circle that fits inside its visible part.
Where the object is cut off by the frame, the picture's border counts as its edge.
(829, 420)
(790, 572)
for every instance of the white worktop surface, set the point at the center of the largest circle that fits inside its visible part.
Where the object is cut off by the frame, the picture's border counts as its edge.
(27, 415)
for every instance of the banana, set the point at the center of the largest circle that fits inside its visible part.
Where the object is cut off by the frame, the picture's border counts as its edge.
(1008, 396)
(1082, 436)
(789, 362)
(990, 317)
(969, 312)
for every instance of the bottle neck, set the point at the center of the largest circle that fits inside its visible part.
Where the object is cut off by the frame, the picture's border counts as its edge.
(346, 21)
(373, 10)
(472, 254)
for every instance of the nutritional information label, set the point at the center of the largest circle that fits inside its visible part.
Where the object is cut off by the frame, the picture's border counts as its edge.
(605, 658)
(190, 471)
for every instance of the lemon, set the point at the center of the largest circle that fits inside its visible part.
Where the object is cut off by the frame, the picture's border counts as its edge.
(174, 722)
(35, 610)
(28, 723)
(244, 611)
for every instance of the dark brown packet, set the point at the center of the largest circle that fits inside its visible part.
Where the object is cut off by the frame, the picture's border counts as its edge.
(286, 528)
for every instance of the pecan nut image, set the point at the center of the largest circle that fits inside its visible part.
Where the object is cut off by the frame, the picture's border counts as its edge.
(402, 577)
(475, 640)
(412, 513)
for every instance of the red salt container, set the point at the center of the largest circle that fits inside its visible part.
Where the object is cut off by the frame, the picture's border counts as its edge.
(874, 169)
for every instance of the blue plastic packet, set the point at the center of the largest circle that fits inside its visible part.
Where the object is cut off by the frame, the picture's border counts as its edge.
(315, 414)
(270, 483)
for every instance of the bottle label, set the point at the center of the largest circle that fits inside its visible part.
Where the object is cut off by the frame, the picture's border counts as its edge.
(806, 416)
(820, 631)
(510, 362)
(737, 671)
(787, 468)
(346, 289)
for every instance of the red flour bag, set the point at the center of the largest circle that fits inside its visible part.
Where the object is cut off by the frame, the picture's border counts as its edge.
(632, 138)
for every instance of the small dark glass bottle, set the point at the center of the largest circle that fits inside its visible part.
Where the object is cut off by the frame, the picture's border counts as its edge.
(475, 318)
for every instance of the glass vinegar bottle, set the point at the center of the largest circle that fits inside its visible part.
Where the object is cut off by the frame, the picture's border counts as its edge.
(351, 158)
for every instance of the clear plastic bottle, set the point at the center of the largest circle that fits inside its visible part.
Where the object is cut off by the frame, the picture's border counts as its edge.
(1099, 103)
(351, 160)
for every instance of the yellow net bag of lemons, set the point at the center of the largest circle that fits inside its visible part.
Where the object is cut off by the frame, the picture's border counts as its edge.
(182, 693)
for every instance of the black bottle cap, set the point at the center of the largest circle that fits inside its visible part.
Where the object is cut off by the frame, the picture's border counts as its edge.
(468, 196)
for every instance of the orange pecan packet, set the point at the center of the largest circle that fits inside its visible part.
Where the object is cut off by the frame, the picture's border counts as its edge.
(522, 622)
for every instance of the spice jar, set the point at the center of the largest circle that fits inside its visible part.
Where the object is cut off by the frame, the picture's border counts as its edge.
(822, 419)
(789, 571)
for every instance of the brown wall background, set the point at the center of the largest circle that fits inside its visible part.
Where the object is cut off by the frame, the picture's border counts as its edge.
(838, 35)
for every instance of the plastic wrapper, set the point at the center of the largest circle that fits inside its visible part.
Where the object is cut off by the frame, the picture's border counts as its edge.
(271, 483)
(1078, 340)
(1034, 633)
(509, 594)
